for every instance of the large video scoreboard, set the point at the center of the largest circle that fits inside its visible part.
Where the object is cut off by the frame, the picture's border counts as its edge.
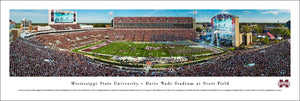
(62, 17)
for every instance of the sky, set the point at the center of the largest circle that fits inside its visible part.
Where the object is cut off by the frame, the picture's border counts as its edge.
(203, 15)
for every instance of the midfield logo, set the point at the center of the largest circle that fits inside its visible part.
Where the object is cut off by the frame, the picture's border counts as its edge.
(285, 83)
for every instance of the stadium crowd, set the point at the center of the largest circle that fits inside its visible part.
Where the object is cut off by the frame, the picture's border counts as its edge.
(153, 22)
(77, 39)
(70, 40)
(271, 61)
(65, 26)
(27, 58)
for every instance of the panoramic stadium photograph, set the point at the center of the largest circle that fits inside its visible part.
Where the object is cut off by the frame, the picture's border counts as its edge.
(149, 42)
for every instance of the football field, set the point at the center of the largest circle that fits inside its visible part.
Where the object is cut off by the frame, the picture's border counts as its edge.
(138, 50)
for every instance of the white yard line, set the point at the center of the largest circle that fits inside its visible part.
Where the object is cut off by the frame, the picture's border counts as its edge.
(119, 50)
(184, 53)
(144, 52)
(115, 49)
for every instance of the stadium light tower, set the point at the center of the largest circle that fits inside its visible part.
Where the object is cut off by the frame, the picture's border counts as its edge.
(194, 20)
(111, 14)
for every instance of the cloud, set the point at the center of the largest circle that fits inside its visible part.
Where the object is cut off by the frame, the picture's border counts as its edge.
(203, 19)
(262, 20)
(193, 12)
(270, 12)
(246, 11)
(275, 12)
(111, 13)
(224, 11)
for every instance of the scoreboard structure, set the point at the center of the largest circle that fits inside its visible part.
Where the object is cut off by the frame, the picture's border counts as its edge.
(227, 27)
(61, 17)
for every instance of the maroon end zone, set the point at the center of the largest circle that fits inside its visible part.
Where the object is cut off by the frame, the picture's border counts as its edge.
(95, 47)
(87, 50)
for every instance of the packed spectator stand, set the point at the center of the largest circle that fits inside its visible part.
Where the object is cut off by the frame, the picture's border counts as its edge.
(129, 29)
(271, 61)
(153, 22)
(30, 58)
(65, 26)
(72, 40)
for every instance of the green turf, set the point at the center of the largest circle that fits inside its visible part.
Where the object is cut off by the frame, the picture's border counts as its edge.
(138, 50)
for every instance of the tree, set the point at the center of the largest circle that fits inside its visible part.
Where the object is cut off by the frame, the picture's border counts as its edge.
(258, 29)
(232, 48)
(279, 25)
(276, 40)
(280, 31)
(17, 26)
(266, 40)
(246, 29)
(100, 24)
(242, 47)
(199, 29)
(255, 39)
(287, 32)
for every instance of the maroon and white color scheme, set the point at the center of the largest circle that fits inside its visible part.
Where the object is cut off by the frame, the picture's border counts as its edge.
(65, 26)
(270, 35)
(62, 25)
(284, 83)
(51, 16)
(95, 47)
(153, 28)
(153, 22)
(82, 38)
(152, 48)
